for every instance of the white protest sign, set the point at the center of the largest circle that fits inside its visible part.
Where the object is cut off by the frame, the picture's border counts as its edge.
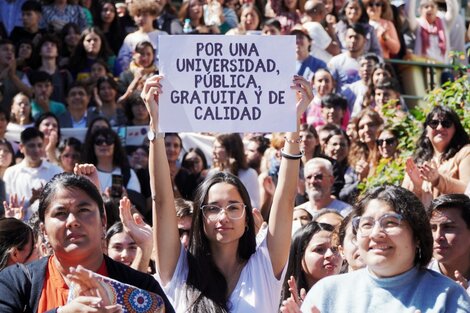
(215, 83)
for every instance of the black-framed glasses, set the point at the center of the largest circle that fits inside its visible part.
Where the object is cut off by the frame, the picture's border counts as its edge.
(389, 223)
(388, 141)
(100, 141)
(233, 211)
(374, 4)
(446, 123)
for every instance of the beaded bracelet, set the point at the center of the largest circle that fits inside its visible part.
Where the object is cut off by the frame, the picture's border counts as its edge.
(298, 140)
(292, 156)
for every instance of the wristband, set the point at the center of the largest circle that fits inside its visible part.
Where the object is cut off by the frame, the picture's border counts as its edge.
(298, 140)
(292, 156)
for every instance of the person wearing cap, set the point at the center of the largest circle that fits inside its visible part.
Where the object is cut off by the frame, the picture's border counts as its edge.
(307, 64)
(319, 180)
(31, 15)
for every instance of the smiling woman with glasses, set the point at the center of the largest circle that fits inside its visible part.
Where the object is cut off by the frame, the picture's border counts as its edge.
(394, 240)
(441, 163)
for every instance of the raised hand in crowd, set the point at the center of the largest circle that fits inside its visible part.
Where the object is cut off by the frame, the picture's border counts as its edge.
(293, 303)
(89, 171)
(139, 231)
(14, 208)
(36, 193)
(413, 172)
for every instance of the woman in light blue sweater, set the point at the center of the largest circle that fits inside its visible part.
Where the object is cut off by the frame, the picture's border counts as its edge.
(394, 240)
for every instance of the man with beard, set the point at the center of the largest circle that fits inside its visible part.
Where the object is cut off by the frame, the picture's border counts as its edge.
(319, 181)
(255, 150)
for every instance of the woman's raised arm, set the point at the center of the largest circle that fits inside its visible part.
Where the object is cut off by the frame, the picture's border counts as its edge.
(280, 218)
(165, 225)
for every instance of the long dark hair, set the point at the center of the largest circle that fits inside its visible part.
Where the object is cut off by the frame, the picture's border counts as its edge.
(119, 155)
(206, 284)
(200, 153)
(79, 58)
(299, 244)
(235, 149)
(425, 150)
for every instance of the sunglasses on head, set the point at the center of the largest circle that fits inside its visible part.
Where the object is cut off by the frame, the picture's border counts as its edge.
(100, 141)
(388, 141)
(374, 4)
(444, 123)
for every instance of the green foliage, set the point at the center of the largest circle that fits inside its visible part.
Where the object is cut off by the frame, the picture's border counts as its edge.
(455, 95)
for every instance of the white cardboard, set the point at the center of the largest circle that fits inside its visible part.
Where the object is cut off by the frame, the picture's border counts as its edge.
(215, 83)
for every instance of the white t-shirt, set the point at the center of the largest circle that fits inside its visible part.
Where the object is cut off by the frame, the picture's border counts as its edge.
(249, 178)
(106, 180)
(344, 68)
(320, 41)
(20, 179)
(257, 289)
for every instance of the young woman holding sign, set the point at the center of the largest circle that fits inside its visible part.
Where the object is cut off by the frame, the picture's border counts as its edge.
(222, 270)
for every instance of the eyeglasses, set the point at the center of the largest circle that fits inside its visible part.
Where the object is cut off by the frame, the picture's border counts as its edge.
(374, 4)
(234, 211)
(389, 224)
(316, 177)
(100, 141)
(388, 141)
(444, 123)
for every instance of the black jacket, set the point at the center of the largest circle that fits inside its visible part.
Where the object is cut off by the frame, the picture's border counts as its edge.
(21, 286)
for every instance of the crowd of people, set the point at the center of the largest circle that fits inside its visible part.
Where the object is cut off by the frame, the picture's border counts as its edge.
(262, 222)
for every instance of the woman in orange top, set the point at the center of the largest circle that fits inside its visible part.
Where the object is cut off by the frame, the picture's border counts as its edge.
(74, 223)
